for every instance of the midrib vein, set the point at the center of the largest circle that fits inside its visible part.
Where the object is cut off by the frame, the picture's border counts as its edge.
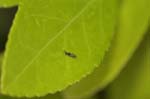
(90, 2)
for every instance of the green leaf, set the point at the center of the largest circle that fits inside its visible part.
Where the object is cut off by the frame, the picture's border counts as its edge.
(1, 59)
(6, 3)
(56, 96)
(54, 44)
(132, 25)
(134, 81)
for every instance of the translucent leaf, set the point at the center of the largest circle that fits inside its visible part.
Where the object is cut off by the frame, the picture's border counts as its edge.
(54, 43)
(132, 25)
(134, 81)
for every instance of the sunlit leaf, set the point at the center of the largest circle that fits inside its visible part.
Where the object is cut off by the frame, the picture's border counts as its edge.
(6, 3)
(54, 96)
(54, 43)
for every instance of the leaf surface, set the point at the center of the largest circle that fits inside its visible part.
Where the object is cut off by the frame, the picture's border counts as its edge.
(54, 43)
(51, 96)
(56, 96)
(133, 23)
(6, 3)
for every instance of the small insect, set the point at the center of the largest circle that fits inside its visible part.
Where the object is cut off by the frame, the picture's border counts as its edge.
(70, 54)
